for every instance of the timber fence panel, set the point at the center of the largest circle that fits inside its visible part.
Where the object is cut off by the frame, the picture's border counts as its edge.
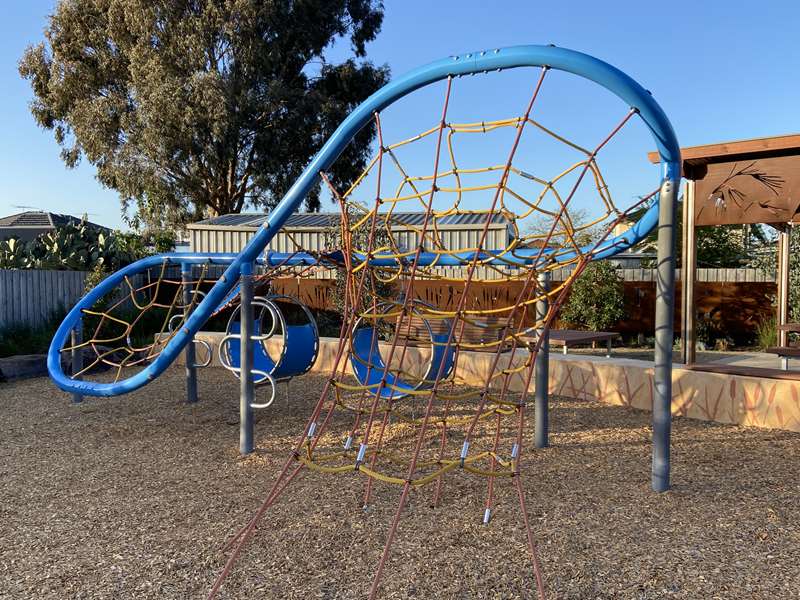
(31, 296)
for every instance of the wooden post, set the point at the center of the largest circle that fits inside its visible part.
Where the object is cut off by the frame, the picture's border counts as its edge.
(688, 277)
(784, 248)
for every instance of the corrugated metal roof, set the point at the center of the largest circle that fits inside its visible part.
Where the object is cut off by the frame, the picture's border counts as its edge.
(324, 220)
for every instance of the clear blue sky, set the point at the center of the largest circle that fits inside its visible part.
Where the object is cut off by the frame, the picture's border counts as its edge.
(722, 70)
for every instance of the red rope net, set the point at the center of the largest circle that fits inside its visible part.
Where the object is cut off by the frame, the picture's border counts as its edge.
(409, 425)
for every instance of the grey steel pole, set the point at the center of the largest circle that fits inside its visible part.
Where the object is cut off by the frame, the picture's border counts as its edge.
(665, 306)
(76, 354)
(542, 370)
(189, 353)
(247, 388)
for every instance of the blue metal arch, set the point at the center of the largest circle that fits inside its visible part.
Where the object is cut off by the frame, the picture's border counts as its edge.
(562, 59)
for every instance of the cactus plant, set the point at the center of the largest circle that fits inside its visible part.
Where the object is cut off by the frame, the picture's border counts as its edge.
(75, 247)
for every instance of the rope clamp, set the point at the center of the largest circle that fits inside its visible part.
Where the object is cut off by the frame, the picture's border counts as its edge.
(362, 451)
(464, 451)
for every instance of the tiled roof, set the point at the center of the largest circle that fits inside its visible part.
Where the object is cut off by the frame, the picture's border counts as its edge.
(41, 220)
(323, 220)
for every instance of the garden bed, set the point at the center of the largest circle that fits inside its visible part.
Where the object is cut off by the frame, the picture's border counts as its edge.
(132, 497)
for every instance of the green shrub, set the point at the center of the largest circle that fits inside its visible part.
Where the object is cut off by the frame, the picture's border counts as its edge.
(374, 290)
(162, 240)
(79, 247)
(597, 298)
(26, 339)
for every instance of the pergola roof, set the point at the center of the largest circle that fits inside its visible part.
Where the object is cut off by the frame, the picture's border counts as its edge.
(696, 157)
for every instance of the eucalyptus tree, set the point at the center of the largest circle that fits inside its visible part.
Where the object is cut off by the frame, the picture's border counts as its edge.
(190, 108)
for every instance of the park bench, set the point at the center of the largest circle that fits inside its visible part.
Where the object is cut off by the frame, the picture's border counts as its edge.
(572, 337)
(489, 330)
(786, 352)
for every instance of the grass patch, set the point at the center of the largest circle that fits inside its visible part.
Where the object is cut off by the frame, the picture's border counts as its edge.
(767, 333)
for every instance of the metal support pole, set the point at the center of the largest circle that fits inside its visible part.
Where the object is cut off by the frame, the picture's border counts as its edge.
(76, 354)
(247, 388)
(542, 367)
(784, 249)
(665, 306)
(189, 353)
(688, 275)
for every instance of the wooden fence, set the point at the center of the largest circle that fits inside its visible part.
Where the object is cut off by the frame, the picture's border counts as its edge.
(30, 297)
(712, 275)
(734, 307)
(735, 298)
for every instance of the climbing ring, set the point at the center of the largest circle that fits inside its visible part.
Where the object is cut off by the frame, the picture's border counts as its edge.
(229, 352)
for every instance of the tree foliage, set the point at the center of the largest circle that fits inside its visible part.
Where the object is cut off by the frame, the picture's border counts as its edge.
(586, 231)
(718, 247)
(597, 298)
(197, 107)
(767, 262)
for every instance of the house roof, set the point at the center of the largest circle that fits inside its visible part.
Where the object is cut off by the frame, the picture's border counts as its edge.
(41, 220)
(324, 220)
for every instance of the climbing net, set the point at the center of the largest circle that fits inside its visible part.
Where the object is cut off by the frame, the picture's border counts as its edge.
(128, 327)
(418, 407)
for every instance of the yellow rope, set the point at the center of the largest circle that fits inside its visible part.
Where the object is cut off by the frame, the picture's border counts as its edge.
(447, 465)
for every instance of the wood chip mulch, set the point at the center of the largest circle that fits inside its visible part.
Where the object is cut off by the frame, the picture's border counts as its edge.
(132, 497)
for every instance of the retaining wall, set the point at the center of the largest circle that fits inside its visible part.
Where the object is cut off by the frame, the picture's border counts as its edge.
(724, 398)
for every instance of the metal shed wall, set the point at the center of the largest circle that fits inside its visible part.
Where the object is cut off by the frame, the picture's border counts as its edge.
(221, 238)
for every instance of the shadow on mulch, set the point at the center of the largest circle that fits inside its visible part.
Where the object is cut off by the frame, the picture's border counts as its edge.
(131, 498)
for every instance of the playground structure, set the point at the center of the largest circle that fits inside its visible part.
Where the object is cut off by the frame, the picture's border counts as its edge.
(409, 419)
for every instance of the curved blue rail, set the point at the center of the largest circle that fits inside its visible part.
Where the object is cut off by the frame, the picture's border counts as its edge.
(570, 61)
